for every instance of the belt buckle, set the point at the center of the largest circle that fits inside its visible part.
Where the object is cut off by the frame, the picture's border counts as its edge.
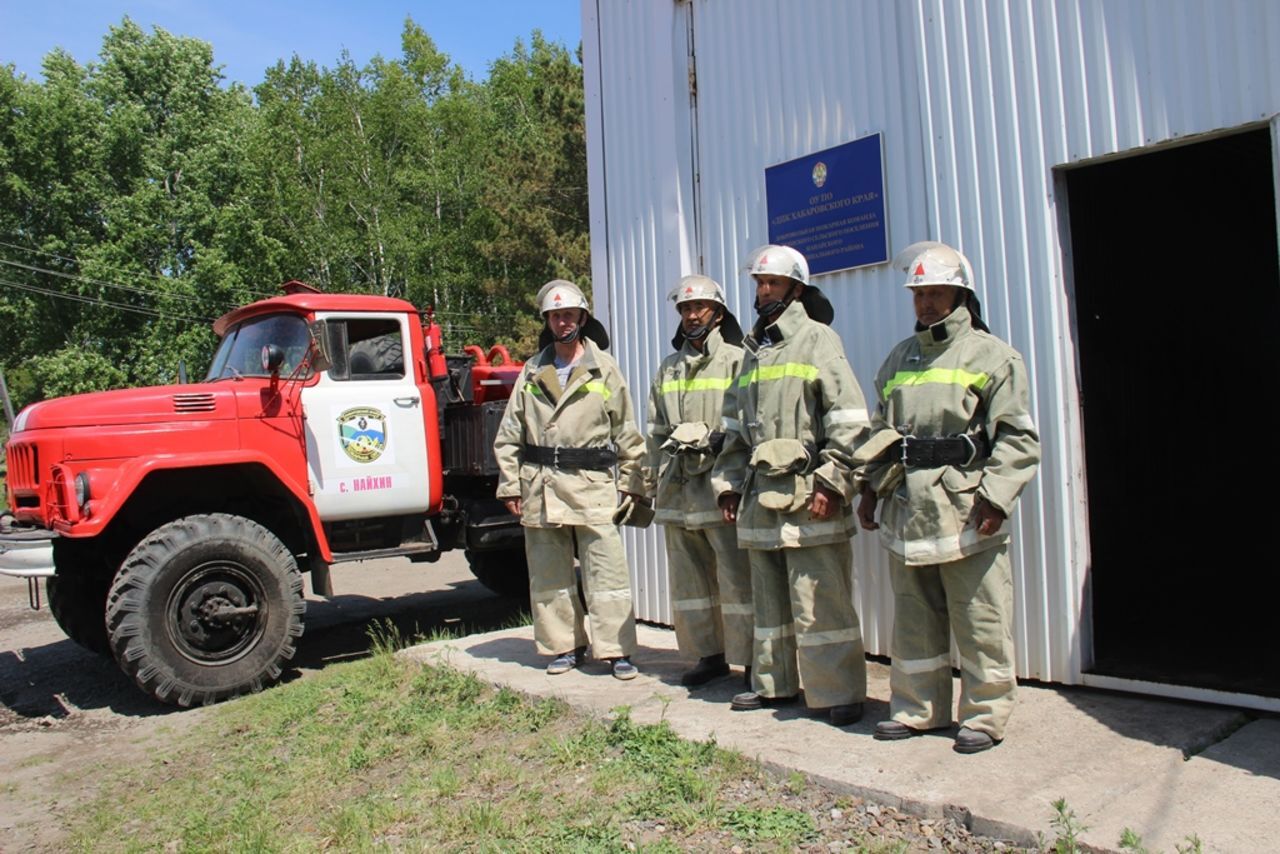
(555, 456)
(906, 442)
(973, 449)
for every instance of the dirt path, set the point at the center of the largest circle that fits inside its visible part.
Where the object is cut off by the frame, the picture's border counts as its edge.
(67, 715)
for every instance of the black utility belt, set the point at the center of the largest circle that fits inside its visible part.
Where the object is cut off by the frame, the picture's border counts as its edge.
(571, 459)
(927, 453)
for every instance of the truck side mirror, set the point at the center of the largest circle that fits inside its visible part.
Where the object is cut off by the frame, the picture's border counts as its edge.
(320, 359)
(272, 358)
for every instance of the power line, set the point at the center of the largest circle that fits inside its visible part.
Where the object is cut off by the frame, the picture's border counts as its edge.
(129, 273)
(136, 309)
(86, 280)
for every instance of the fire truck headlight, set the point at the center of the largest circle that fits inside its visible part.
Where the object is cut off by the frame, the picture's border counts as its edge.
(82, 490)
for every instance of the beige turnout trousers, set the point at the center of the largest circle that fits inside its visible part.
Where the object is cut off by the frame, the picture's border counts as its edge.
(559, 622)
(973, 598)
(806, 629)
(710, 588)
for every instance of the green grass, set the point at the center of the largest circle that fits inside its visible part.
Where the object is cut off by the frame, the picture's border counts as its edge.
(386, 754)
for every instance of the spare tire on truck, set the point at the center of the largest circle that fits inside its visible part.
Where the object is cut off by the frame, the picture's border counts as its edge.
(206, 607)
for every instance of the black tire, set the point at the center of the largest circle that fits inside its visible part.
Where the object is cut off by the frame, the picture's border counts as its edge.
(383, 355)
(504, 572)
(78, 595)
(162, 610)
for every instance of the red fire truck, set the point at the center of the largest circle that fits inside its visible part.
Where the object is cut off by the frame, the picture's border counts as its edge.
(179, 519)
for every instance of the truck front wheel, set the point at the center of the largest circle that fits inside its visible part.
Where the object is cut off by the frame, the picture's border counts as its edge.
(205, 608)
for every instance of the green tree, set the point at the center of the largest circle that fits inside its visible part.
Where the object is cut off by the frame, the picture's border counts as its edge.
(126, 226)
(142, 195)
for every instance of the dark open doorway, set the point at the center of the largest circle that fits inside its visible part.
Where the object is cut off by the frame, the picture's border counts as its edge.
(1177, 314)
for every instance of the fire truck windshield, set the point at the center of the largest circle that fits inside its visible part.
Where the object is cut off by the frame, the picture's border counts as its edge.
(240, 354)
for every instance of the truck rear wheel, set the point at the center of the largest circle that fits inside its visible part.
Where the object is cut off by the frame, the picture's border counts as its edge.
(205, 608)
(78, 591)
(504, 572)
(78, 600)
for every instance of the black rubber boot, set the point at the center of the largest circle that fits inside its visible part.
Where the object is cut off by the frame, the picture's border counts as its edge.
(708, 667)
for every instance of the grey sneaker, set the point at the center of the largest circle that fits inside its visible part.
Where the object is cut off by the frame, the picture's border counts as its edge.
(623, 669)
(566, 661)
(750, 701)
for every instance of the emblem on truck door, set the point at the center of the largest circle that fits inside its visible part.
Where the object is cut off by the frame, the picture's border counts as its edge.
(362, 431)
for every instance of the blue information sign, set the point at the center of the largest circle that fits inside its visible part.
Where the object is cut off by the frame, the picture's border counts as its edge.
(830, 206)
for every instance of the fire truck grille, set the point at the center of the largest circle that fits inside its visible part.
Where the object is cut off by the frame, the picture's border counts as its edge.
(183, 403)
(24, 468)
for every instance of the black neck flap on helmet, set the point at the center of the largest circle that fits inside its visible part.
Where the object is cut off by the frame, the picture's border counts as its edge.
(592, 329)
(815, 304)
(730, 330)
(969, 300)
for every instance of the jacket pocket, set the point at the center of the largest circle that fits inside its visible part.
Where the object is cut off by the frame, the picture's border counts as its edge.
(780, 482)
(961, 488)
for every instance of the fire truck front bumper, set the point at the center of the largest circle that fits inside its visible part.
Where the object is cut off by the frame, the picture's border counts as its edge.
(26, 552)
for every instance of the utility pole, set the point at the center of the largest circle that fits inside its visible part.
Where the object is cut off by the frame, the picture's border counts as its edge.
(4, 395)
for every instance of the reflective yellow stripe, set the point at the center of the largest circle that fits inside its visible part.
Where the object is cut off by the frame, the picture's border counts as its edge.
(764, 373)
(697, 384)
(598, 387)
(533, 389)
(945, 376)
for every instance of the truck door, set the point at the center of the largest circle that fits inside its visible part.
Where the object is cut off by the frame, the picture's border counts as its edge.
(366, 441)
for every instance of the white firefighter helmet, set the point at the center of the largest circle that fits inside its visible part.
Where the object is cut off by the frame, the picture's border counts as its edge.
(559, 293)
(772, 260)
(932, 263)
(697, 287)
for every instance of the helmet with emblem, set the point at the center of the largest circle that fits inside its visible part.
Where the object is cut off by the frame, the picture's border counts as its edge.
(561, 293)
(697, 287)
(707, 289)
(774, 260)
(929, 262)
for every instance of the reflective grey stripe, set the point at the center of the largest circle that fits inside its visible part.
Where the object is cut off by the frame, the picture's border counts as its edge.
(767, 633)
(737, 609)
(912, 666)
(833, 636)
(551, 595)
(924, 552)
(604, 595)
(1020, 422)
(1017, 422)
(789, 534)
(702, 604)
(990, 674)
(731, 425)
(681, 519)
(845, 416)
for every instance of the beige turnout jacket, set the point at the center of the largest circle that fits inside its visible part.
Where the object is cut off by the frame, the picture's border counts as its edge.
(686, 399)
(942, 381)
(593, 411)
(795, 415)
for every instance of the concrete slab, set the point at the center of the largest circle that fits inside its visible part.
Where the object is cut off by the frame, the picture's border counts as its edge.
(1118, 760)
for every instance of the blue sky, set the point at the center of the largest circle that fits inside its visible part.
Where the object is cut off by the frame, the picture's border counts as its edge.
(247, 37)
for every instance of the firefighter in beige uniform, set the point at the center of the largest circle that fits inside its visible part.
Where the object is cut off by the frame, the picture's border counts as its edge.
(954, 413)
(792, 424)
(567, 424)
(710, 575)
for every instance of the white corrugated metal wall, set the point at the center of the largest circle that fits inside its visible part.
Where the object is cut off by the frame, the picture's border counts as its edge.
(978, 103)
